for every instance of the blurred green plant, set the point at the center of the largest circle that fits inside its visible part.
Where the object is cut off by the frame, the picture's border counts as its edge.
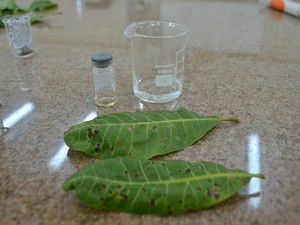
(9, 7)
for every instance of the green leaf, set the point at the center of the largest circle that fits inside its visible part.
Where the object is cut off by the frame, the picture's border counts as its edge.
(169, 187)
(141, 134)
(8, 6)
(42, 5)
(36, 18)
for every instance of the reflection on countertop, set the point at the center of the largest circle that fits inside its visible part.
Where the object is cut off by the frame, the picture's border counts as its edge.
(61, 154)
(241, 61)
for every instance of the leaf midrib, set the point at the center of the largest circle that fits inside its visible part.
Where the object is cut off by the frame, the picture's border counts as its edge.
(174, 181)
(160, 121)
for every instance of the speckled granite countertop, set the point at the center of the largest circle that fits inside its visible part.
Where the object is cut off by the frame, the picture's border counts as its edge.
(242, 61)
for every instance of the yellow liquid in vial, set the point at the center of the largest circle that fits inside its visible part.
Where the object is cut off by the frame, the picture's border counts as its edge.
(106, 101)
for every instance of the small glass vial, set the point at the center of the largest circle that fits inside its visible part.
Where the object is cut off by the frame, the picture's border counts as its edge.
(104, 79)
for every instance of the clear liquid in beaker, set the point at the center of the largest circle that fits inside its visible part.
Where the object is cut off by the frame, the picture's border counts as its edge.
(148, 91)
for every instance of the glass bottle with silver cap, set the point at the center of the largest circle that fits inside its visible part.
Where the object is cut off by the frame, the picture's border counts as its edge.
(104, 79)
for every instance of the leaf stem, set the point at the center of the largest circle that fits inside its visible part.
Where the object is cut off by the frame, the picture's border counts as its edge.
(258, 175)
(230, 119)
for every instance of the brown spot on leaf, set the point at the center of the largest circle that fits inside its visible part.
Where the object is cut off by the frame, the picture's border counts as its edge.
(104, 186)
(152, 202)
(213, 193)
(138, 174)
(170, 126)
(97, 148)
(148, 118)
(123, 196)
(217, 185)
(201, 167)
(187, 171)
(90, 133)
(163, 164)
(154, 128)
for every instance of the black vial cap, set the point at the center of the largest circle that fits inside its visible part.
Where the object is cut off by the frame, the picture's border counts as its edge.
(101, 59)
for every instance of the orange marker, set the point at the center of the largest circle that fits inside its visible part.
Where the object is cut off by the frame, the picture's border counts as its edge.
(287, 6)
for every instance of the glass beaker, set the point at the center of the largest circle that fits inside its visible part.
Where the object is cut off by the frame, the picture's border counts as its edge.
(18, 30)
(157, 52)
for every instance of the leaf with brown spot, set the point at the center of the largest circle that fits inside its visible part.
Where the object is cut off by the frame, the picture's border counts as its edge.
(140, 134)
(98, 185)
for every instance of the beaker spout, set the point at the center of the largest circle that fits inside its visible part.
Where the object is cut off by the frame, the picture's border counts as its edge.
(130, 31)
